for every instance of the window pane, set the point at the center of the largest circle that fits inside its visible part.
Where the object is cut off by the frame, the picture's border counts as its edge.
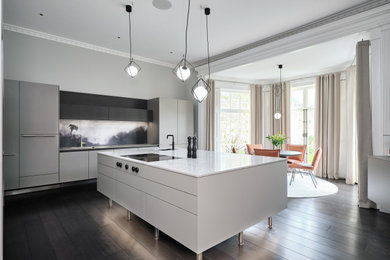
(311, 96)
(234, 120)
(297, 99)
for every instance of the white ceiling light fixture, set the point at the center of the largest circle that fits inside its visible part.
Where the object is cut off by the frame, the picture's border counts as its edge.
(278, 92)
(132, 68)
(183, 68)
(201, 89)
(162, 4)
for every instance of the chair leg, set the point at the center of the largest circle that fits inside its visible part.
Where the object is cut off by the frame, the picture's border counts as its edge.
(292, 176)
(312, 179)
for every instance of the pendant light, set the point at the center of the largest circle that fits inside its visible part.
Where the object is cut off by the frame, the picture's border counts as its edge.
(183, 68)
(201, 89)
(132, 68)
(278, 93)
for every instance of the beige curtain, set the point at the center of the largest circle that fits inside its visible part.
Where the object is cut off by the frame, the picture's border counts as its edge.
(256, 114)
(210, 117)
(281, 103)
(363, 119)
(348, 155)
(327, 126)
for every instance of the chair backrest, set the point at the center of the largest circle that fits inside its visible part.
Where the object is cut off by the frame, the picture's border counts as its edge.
(297, 148)
(267, 152)
(316, 158)
(234, 150)
(251, 147)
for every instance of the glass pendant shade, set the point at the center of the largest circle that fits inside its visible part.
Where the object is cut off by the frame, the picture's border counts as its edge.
(200, 90)
(183, 70)
(277, 115)
(132, 69)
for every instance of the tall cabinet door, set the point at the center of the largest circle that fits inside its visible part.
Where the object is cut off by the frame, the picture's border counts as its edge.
(38, 155)
(168, 120)
(39, 109)
(185, 121)
(11, 134)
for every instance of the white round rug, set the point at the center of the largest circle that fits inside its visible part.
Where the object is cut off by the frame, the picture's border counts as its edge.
(304, 187)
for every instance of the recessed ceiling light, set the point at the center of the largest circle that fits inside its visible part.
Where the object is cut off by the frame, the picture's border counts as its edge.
(162, 4)
(41, 14)
(171, 52)
(118, 37)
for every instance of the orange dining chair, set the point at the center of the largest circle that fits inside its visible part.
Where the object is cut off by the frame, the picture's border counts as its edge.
(267, 152)
(251, 147)
(297, 148)
(308, 168)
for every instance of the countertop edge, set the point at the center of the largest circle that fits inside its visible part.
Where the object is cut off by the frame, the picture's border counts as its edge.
(188, 174)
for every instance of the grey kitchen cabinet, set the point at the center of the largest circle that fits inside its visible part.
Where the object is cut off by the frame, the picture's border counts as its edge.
(87, 112)
(175, 117)
(168, 120)
(73, 166)
(11, 135)
(39, 108)
(30, 149)
(125, 114)
(185, 121)
(38, 155)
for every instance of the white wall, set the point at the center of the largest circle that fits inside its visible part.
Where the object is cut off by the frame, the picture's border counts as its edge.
(78, 69)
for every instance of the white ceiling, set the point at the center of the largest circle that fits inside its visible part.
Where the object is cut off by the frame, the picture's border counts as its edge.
(158, 32)
(326, 57)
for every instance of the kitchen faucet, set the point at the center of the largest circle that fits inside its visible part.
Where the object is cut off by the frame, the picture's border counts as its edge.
(173, 141)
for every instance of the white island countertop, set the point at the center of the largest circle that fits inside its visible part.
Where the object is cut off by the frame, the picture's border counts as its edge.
(206, 163)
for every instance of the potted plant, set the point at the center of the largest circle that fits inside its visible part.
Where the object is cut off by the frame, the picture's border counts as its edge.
(277, 140)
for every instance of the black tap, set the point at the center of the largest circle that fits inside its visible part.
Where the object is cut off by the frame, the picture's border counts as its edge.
(173, 141)
(189, 149)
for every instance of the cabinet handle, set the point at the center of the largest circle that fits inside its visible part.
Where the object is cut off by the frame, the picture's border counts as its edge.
(9, 154)
(39, 135)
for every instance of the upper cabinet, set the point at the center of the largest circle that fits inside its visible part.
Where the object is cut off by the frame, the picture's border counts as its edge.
(82, 106)
(38, 108)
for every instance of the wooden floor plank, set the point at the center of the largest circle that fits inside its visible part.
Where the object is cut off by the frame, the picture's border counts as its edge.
(75, 223)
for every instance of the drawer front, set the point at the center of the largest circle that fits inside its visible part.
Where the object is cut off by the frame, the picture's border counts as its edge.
(177, 181)
(172, 196)
(107, 171)
(130, 198)
(175, 222)
(106, 185)
(38, 180)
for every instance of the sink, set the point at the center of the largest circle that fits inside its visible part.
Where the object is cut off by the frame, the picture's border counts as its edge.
(150, 157)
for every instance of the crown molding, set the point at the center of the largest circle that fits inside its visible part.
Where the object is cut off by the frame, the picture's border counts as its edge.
(363, 17)
(55, 38)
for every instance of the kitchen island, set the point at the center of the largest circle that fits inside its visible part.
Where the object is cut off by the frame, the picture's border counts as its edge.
(198, 202)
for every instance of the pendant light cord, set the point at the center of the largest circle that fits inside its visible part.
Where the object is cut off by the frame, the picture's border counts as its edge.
(208, 43)
(186, 35)
(130, 36)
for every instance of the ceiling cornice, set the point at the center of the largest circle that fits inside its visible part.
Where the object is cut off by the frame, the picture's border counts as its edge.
(52, 37)
(357, 9)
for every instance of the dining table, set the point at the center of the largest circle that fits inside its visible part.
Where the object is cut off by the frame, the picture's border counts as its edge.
(285, 153)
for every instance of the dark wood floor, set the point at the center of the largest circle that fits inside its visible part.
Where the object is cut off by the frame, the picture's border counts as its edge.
(75, 223)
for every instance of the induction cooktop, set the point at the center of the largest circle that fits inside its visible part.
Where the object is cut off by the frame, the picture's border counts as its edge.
(150, 157)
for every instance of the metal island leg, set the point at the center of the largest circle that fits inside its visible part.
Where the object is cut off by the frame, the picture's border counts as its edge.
(270, 222)
(199, 256)
(110, 203)
(156, 234)
(241, 238)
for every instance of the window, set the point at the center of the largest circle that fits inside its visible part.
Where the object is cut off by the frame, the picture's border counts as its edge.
(233, 116)
(302, 115)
